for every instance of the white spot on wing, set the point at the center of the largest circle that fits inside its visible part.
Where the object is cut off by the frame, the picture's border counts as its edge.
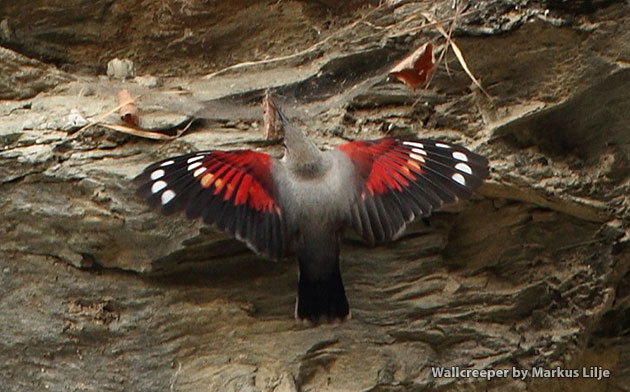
(419, 151)
(199, 171)
(193, 159)
(157, 174)
(462, 167)
(414, 144)
(442, 145)
(460, 156)
(167, 196)
(158, 186)
(194, 166)
(459, 178)
(167, 163)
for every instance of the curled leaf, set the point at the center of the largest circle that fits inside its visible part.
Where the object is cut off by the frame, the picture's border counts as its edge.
(128, 110)
(272, 125)
(416, 69)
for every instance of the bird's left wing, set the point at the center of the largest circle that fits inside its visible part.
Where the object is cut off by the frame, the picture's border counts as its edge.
(400, 180)
(232, 190)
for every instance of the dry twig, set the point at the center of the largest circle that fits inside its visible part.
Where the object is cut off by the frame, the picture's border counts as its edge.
(457, 51)
(317, 45)
(125, 101)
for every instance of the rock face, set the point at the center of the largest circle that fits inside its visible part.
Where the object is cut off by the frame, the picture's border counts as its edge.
(23, 77)
(100, 293)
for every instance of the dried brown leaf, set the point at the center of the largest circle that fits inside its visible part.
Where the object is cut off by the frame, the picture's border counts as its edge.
(416, 69)
(272, 125)
(128, 110)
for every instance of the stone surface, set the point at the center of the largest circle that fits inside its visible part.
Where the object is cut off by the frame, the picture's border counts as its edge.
(22, 77)
(100, 293)
(121, 69)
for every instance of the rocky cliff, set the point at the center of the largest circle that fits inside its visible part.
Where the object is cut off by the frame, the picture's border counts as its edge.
(100, 293)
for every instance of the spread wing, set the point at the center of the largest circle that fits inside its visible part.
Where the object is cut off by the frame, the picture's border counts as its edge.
(232, 190)
(402, 180)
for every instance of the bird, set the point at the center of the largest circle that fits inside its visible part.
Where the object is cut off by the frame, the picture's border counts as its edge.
(301, 203)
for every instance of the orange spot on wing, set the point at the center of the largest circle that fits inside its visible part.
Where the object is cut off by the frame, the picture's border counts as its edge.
(224, 180)
(413, 164)
(206, 180)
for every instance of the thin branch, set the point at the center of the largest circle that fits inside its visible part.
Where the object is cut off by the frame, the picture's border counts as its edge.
(127, 129)
(101, 117)
(458, 53)
(317, 45)
(310, 49)
(145, 134)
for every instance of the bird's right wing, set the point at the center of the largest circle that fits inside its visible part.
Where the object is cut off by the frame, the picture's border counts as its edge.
(232, 190)
(401, 180)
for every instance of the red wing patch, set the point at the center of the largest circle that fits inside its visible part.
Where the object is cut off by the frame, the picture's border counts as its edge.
(243, 174)
(401, 180)
(386, 164)
(233, 190)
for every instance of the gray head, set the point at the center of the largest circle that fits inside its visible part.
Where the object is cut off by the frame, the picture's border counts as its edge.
(301, 155)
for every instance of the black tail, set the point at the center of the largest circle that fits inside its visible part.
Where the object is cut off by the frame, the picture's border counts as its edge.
(321, 296)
